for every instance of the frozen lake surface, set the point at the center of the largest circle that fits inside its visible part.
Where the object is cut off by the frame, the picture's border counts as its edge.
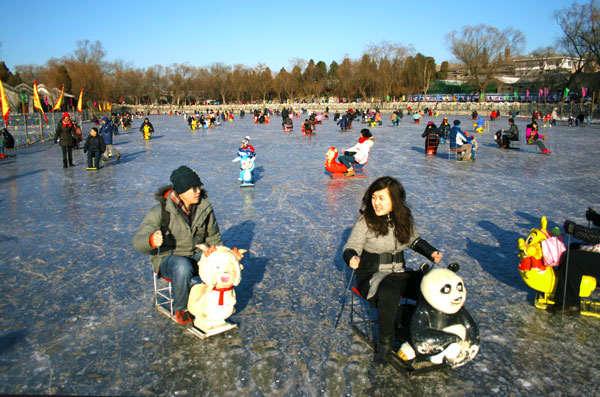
(77, 314)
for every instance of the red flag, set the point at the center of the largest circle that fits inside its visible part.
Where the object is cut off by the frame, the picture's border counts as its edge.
(36, 101)
(541, 92)
(5, 107)
(545, 91)
(527, 94)
(80, 101)
(58, 103)
(583, 91)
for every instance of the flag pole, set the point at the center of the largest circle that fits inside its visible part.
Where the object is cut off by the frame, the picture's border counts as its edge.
(592, 110)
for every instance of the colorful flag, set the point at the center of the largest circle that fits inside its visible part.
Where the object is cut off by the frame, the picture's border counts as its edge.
(527, 96)
(482, 97)
(80, 101)
(58, 103)
(567, 92)
(541, 92)
(516, 96)
(583, 91)
(5, 107)
(546, 91)
(37, 104)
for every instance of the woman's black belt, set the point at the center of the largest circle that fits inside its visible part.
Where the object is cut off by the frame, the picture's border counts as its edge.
(383, 259)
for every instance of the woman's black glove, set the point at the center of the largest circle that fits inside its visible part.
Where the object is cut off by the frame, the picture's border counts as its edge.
(592, 216)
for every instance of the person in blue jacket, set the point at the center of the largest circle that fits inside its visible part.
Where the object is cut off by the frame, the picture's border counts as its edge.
(106, 132)
(343, 123)
(459, 141)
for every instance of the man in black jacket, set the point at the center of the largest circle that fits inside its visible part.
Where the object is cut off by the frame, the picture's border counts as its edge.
(94, 147)
(504, 137)
(584, 259)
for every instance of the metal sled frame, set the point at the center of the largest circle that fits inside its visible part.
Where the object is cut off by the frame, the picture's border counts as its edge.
(216, 331)
(360, 171)
(362, 320)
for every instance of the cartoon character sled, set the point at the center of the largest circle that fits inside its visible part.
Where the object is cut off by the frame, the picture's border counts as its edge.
(540, 255)
(213, 301)
(246, 169)
(434, 333)
(147, 132)
(337, 170)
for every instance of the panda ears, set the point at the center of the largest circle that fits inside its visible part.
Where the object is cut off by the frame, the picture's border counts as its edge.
(425, 267)
(453, 267)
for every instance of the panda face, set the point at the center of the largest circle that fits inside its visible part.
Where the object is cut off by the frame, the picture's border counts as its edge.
(444, 290)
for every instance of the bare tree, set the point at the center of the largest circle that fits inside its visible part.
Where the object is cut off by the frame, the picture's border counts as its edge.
(580, 24)
(347, 76)
(220, 77)
(482, 49)
(419, 73)
(179, 75)
(390, 59)
(264, 80)
(155, 83)
(87, 69)
(28, 73)
(365, 76)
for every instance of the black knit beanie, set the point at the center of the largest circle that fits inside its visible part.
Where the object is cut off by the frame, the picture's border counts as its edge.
(183, 179)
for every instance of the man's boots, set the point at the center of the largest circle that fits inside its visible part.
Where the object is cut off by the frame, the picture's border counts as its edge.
(65, 164)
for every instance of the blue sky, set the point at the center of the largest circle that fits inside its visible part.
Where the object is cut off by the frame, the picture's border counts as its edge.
(151, 32)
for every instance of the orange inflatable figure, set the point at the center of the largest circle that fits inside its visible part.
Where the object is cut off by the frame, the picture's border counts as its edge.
(331, 165)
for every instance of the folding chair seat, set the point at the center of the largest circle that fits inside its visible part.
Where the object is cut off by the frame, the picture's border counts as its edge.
(432, 144)
(362, 315)
(163, 295)
(455, 153)
(360, 169)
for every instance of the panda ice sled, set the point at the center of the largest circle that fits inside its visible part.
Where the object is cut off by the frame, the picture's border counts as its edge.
(441, 329)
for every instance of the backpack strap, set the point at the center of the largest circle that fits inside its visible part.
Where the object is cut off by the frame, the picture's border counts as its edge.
(165, 218)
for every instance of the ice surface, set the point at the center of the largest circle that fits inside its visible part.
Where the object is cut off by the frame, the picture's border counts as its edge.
(77, 311)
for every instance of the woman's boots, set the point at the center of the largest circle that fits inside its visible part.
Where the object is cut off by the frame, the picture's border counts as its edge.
(384, 349)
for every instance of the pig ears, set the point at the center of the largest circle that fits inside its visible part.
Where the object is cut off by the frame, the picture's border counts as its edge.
(206, 251)
(237, 253)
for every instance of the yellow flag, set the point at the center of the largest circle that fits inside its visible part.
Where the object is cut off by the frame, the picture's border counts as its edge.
(58, 103)
(80, 101)
(5, 107)
(37, 104)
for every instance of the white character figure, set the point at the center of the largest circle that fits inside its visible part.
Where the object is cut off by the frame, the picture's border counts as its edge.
(213, 302)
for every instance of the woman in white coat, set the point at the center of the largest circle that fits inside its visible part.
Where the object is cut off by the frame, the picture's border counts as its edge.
(358, 153)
